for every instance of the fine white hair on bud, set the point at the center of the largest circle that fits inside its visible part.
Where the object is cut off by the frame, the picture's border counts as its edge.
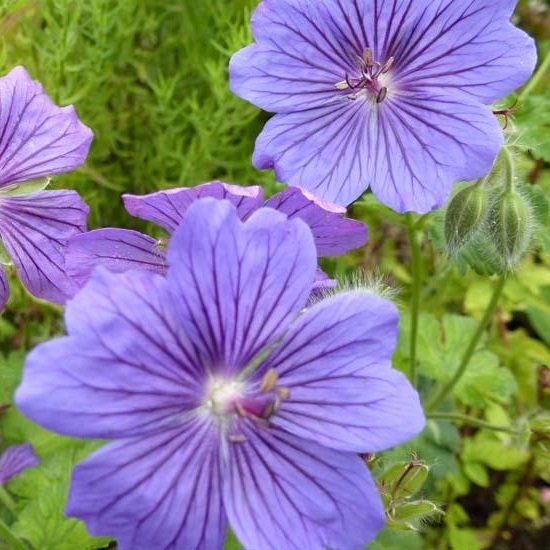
(369, 282)
(511, 224)
(465, 216)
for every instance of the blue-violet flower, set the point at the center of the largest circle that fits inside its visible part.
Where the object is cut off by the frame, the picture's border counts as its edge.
(387, 94)
(122, 249)
(37, 140)
(226, 401)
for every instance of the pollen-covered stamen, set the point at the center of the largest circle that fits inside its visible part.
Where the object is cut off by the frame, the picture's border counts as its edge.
(371, 79)
(269, 381)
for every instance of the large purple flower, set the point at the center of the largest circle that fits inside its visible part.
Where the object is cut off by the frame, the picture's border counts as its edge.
(37, 140)
(226, 400)
(122, 249)
(386, 94)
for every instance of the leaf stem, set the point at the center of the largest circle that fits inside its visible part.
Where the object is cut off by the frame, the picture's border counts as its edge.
(6, 500)
(14, 543)
(415, 239)
(537, 77)
(471, 421)
(488, 315)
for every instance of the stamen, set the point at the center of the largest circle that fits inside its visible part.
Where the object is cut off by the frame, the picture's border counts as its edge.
(368, 57)
(382, 94)
(240, 410)
(237, 439)
(283, 392)
(342, 85)
(269, 410)
(387, 66)
(349, 83)
(269, 381)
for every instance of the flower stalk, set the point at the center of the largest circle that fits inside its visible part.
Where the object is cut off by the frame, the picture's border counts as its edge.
(484, 323)
(415, 239)
(472, 421)
(535, 81)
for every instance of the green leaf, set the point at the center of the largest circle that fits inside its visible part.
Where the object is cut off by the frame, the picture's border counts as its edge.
(441, 346)
(463, 539)
(493, 453)
(42, 495)
(540, 318)
(231, 541)
(394, 539)
(477, 473)
(533, 121)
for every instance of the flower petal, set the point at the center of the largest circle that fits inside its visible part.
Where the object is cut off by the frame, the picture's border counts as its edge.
(167, 208)
(410, 149)
(35, 229)
(335, 360)
(16, 459)
(4, 289)
(159, 492)
(333, 233)
(126, 368)
(470, 46)
(297, 60)
(283, 492)
(241, 283)
(118, 250)
(322, 284)
(37, 138)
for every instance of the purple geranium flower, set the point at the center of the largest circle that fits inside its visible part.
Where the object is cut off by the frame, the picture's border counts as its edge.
(122, 249)
(16, 459)
(390, 95)
(38, 139)
(226, 400)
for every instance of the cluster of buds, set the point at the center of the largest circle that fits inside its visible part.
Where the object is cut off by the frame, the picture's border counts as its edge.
(400, 484)
(491, 222)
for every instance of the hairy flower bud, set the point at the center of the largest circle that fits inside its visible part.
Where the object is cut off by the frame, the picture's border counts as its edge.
(511, 224)
(465, 216)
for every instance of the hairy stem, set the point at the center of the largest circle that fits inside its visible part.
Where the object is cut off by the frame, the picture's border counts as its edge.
(487, 316)
(415, 239)
(471, 421)
(510, 168)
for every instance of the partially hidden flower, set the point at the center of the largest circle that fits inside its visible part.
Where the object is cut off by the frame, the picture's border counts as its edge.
(38, 139)
(123, 249)
(16, 459)
(228, 403)
(389, 95)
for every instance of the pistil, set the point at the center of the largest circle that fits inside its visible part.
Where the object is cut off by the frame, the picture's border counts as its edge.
(371, 79)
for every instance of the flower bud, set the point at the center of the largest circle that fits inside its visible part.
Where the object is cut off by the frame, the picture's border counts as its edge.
(465, 216)
(511, 224)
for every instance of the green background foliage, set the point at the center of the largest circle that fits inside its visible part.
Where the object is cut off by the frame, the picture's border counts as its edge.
(150, 78)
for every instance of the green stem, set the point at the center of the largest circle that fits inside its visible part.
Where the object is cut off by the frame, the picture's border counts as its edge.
(534, 82)
(6, 500)
(415, 238)
(488, 315)
(6, 535)
(510, 168)
(472, 421)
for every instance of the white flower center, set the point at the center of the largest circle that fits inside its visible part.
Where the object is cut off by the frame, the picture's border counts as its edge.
(222, 395)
